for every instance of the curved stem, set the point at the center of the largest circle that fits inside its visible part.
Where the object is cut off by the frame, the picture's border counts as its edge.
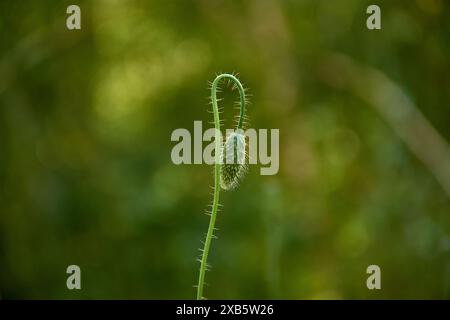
(218, 146)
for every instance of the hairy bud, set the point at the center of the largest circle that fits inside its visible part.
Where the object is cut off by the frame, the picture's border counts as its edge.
(233, 160)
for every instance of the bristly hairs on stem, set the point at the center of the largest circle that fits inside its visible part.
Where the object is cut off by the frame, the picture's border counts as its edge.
(229, 164)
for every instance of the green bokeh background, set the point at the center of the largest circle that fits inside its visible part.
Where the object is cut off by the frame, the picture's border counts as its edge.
(86, 176)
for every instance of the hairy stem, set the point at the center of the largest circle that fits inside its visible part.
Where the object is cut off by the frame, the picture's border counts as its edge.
(218, 146)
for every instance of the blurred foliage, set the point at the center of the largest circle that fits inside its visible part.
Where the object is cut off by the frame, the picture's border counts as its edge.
(85, 170)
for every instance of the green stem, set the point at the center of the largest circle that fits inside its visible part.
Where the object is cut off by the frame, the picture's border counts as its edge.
(218, 145)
